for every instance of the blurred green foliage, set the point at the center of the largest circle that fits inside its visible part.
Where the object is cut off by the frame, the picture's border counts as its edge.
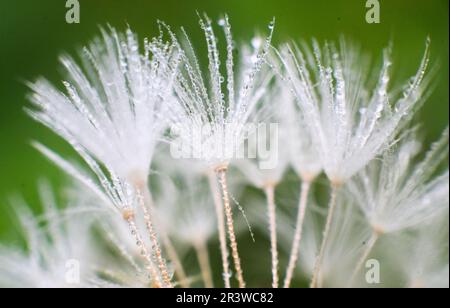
(34, 33)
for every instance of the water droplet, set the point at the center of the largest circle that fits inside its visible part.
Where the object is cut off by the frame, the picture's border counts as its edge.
(221, 22)
(256, 42)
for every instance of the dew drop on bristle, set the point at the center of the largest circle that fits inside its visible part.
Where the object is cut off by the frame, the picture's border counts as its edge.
(256, 42)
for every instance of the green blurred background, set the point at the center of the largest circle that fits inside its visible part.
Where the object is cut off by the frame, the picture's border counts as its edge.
(34, 33)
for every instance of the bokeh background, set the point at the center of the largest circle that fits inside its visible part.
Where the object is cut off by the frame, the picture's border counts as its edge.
(34, 33)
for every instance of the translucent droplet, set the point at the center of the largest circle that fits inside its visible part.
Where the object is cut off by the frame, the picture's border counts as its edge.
(256, 42)
(221, 22)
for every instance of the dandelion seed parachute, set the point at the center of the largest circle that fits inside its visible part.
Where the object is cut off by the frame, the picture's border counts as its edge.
(208, 121)
(113, 110)
(113, 116)
(394, 194)
(350, 121)
(206, 105)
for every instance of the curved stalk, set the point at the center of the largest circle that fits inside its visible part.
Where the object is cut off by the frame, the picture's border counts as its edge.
(326, 233)
(298, 233)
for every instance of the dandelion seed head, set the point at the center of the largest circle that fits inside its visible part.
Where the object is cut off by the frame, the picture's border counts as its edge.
(351, 123)
(113, 108)
(221, 102)
(394, 194)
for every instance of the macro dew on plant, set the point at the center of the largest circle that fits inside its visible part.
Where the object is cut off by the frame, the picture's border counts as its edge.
(184, 148)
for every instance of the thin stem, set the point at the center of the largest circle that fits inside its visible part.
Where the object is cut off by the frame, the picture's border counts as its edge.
(144, 252)
(326, 233)
(173, 255)
(373, 240)
(205, 266)
(146, 205)
(215, 191)
(271, 210)
(221, 173)
(303, 201)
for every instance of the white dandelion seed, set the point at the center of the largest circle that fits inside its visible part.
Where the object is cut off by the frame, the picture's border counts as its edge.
(216, 105)
(114, 108)
(351, 123)
(211, 122)
(395, 195)
(113, 117)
